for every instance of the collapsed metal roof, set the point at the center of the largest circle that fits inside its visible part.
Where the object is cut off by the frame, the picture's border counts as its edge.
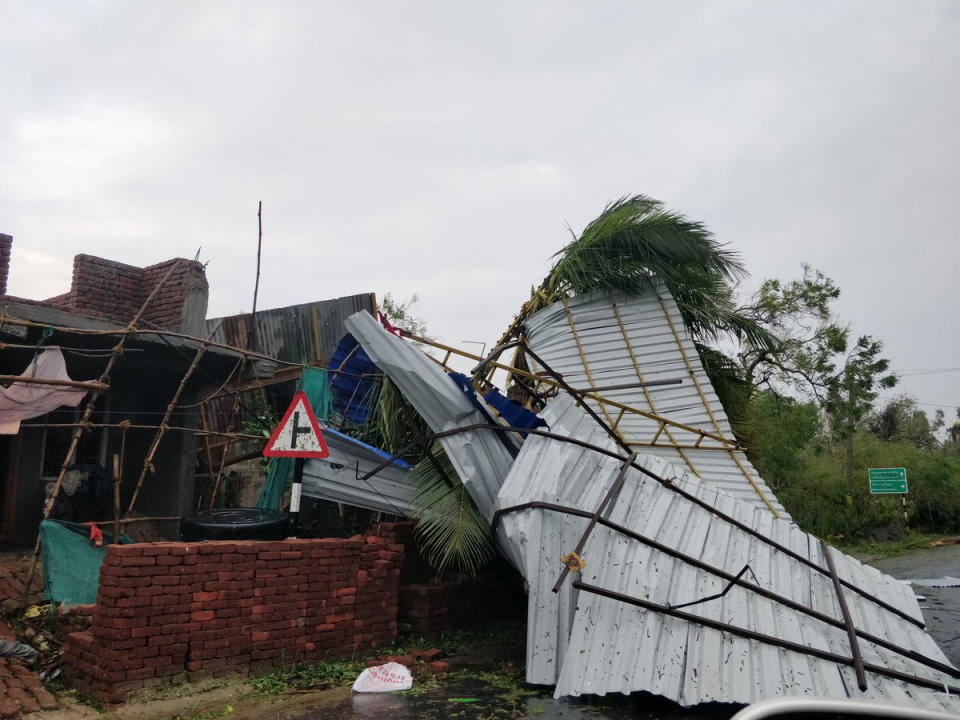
(613, 339)
(697, 586)
(480, 458)
(661, 604)
(342, 476)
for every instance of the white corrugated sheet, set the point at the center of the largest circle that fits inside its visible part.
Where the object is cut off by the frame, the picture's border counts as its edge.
(615, 339)
(479, 457)
(587, 643)
(337, 477)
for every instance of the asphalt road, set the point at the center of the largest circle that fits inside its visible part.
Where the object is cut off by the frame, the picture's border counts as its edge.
(941, 608)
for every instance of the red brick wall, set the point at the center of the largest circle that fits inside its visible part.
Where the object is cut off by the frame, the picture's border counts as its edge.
(167, 612)
(6, 241)
(114, 290)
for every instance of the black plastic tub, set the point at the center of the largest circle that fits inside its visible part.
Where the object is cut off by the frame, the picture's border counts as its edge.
(235, 524)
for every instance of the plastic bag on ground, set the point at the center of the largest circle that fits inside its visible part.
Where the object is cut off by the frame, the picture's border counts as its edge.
(384, 678)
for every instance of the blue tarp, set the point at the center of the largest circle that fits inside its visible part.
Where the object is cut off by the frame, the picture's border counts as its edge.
(352, 378)
(515, 415)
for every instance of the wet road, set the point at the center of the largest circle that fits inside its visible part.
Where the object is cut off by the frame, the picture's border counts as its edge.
(941, 608)
(473, 700)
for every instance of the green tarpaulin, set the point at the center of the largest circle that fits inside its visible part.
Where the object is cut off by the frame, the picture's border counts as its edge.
(71, 562)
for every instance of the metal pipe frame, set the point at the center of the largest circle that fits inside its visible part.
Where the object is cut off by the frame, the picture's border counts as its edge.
(733, 580)
(764, 638)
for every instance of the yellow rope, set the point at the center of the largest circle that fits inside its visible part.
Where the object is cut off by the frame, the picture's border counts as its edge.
(646, 393)
(586, 367)
(706, 405)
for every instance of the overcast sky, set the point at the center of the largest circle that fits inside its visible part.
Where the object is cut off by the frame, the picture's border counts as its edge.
(442, 148)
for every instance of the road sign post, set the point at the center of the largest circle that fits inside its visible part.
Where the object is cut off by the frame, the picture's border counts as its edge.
(297, 436)
(887, 481)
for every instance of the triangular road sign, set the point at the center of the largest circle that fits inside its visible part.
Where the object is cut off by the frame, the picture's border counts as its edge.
(298, 434)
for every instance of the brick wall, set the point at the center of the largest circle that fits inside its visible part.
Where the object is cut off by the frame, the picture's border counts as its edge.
(115, 290)
(168, 612)
(6, 241)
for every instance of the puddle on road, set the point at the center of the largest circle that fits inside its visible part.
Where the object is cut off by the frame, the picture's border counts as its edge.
(477, 700)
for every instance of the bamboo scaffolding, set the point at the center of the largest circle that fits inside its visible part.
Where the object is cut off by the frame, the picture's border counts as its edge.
(246, 354)
(87, 413)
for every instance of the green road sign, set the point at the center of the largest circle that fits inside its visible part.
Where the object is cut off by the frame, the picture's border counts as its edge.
(884, 481)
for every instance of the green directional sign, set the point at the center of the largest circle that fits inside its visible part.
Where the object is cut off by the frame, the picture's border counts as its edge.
(887, 481)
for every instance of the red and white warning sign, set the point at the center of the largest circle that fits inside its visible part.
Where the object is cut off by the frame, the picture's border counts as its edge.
(298, 434)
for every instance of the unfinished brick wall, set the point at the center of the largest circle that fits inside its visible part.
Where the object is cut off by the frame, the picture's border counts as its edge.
(6, 242)
(168, 612)
(115, 290)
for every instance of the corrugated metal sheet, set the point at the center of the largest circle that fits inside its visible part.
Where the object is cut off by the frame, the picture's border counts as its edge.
(337, 477)
(602, 339)
(587, 643)
(305, 333)
(479, 457)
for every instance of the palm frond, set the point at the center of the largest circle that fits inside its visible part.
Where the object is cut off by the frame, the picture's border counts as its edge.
(634, 238)
(635, 241)
(452, 532)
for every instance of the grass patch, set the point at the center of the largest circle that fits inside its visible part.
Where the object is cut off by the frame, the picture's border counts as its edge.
(913, 541)
(304, 677)
(207, 714)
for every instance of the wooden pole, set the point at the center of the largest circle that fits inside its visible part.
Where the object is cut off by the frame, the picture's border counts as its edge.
(251, 346)
(87, 413)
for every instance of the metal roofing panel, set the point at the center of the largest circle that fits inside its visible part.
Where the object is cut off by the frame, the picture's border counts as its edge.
(588, 643)
(306, 333)
(338, 477)
(479, 457)
(607, 338)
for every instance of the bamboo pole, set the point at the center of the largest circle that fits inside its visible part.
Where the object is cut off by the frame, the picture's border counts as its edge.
(87, 413)
(83, 385)
(161, 431)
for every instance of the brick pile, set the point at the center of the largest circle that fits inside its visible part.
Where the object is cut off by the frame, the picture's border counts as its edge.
(21, 692)
(13, 580)
(168, 612)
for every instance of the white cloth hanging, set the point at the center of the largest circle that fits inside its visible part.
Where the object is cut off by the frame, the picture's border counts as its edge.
(22, 401)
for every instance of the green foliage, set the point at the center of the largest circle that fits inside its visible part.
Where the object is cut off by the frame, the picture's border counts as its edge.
(777, 430)
(302, 677)
(851, 391)
(453, 533)
(401, 314)
(635, 239)
(901, 419)
(810, 481)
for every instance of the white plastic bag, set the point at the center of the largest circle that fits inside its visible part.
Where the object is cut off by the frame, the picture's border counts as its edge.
(384, 678)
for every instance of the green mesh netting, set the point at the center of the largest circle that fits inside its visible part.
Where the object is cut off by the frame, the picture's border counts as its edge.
(280, 470)
(71, 562)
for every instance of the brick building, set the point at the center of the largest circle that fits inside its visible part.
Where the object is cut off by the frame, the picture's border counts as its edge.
(104, 296)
